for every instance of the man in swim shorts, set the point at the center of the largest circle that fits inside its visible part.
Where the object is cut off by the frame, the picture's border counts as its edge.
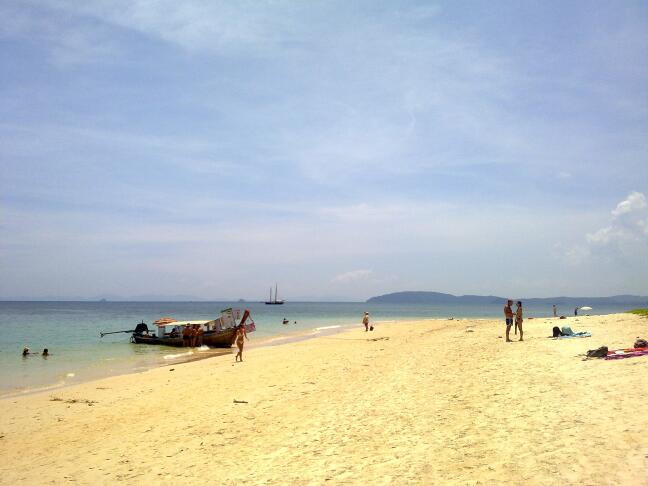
(508, 314)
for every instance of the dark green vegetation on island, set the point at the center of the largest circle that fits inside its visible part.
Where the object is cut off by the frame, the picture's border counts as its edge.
(639, 312)
(420, 297)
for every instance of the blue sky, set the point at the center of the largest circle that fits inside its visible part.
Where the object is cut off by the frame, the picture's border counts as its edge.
(343, 149)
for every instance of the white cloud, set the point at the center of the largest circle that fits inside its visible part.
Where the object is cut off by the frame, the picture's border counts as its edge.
(635, 201)
(625, 237)
(352, 276)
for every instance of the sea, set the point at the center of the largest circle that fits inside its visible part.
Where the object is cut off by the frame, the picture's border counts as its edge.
(71, 332)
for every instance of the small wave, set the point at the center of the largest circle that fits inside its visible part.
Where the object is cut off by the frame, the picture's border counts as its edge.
(327, 327)
(70, 375)
(203, 348)
(179, 355)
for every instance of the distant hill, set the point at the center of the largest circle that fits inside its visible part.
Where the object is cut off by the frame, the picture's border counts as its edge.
(420, 297)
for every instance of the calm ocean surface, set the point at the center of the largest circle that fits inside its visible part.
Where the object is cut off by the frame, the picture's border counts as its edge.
(70, 330)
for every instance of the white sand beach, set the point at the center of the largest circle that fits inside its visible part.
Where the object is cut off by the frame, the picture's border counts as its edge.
(423, 402)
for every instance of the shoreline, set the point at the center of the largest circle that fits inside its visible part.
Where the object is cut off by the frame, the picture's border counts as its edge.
(296, 336)
(266, 341)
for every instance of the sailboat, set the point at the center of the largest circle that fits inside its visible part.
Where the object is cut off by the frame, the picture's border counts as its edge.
(274, 301)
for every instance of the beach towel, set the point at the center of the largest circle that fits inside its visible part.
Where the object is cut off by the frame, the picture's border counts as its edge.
(626, 353)
(582, 334)
(568, 333)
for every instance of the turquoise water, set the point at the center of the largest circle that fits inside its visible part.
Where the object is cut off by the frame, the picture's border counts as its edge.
(70, 330)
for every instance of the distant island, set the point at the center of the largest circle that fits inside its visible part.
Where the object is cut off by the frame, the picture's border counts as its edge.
(421, 297)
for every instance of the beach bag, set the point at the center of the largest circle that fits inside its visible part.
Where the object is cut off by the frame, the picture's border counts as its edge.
(641, 343)
(371, 328)
(556, 332)
(598, 353)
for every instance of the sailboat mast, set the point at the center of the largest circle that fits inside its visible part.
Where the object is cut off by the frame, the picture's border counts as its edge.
(275, 292)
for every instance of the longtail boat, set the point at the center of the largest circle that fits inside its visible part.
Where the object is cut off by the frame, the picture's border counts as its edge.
(217, 333)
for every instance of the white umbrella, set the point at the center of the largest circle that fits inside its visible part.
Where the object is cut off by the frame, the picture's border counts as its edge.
(585, 308)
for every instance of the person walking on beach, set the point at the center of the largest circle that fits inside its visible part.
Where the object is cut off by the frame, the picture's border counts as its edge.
(508, 314)
(365, 321)
(518, 319)
(241, 336)
(555, 311)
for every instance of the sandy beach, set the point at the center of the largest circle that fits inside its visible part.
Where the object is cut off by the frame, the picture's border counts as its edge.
(425, 402)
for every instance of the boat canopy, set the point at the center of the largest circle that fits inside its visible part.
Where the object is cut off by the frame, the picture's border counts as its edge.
(180, 323)
(165, 320)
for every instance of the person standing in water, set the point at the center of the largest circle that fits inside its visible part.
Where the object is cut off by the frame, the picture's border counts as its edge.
(555, 311)
(518, 319)
(199, 335)
(508, 315)
(186, 336)
(241, 336)
(576, 311)
(365, 321)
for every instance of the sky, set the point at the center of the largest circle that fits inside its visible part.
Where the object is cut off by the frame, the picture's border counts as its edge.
(341, 149)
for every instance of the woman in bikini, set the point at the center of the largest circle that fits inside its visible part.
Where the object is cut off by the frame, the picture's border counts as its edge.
(241, 336)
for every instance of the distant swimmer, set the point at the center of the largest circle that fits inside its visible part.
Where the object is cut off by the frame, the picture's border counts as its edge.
(285, 321)
(45, 353)
(25, 352)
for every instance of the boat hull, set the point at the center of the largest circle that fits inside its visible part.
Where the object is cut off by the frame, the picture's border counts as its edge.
(213, 339)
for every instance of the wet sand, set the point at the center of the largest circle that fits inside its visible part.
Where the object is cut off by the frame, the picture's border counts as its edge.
(422, 402)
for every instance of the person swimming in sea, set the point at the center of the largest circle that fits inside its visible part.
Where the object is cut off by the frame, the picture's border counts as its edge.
(45, 353)
(25, 352)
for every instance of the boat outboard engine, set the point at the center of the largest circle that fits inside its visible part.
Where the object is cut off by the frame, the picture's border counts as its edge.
(141, 328)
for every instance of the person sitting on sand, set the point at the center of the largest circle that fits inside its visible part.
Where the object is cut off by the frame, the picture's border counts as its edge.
(45, 353)
(508, 314)
(518, 319)
(186, 336)
(241, 335)
(365, 321)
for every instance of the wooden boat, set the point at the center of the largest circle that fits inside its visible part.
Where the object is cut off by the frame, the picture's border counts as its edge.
(274, 301)
(217, 333)
(214, 339)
